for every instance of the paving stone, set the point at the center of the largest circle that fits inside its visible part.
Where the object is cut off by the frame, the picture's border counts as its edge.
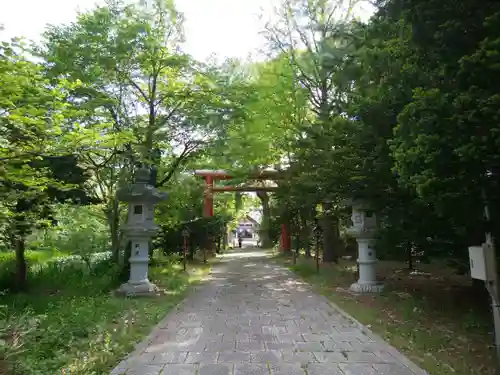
(287, 321)
(279, 345)
(144, 370)
(216, 335)
(365, 339)
(234, 357)
(348, 337)
(164, 336)
(290, 337)
(176, 369)
(251, 369)
(236, 336)
(185, 346)
(309, 347)
(169, 357)
(358, 369)
(215, 369)
(137, 360)
(253, 315)
(321, 328)
(323, 369)
(335, 346)
(121, 369)
(217, 346)
(385, 356)
(288, 369)
(329, 357)
(264, 337)
(201, 357)
(362, 357)
(298, 357)
(249, 346)
(265, 356)
(368, 346)
(343, 329)
(293, 328)
(312, 337)
(391, 369)
(274, 330)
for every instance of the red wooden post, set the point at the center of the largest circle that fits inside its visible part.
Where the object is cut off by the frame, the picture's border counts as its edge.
(285, 240)
(209, 197)
(208, 211)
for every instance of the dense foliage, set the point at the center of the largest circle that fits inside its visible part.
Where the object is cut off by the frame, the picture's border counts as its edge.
(402, 111)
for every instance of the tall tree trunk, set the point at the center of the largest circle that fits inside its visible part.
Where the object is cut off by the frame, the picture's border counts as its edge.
(224, 238)
(409, 250)
(298, 235)
(20, 230)
(305, 235)
(218, 242)
(21, 266)
(265, 237)
(113, 218)
(330, 235)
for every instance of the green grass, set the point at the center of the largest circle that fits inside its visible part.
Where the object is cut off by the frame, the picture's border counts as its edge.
(33, 255)
(33, 258)
(443, 331)
(71, 320)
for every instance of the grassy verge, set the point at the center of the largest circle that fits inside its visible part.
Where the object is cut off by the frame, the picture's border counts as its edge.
(71, 320)
(32, 256)
(435, 318)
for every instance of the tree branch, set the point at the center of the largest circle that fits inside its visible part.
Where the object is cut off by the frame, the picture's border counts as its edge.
(188, 148)
(22, 156)
(141, 91)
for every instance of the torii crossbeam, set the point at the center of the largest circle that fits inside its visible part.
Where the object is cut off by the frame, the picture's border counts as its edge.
(210, 176)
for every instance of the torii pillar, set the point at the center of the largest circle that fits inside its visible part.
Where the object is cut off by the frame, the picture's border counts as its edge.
(208, 208)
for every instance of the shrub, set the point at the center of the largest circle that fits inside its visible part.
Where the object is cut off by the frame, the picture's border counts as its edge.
(14, 328)
(81, 231)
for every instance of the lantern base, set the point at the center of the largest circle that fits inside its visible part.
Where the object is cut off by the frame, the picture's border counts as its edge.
(143, 289)
(367, 288)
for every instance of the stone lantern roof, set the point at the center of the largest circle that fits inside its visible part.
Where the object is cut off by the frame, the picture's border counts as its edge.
(358, 203)
(140, 190)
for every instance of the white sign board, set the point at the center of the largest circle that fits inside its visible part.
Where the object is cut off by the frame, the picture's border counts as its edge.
(482, 262)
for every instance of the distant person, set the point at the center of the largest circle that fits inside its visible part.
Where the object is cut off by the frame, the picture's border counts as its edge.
(240, 239)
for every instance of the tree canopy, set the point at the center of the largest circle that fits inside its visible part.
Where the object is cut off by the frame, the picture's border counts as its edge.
(401, 111)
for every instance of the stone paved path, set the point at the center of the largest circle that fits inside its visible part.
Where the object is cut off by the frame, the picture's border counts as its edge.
(255, 318)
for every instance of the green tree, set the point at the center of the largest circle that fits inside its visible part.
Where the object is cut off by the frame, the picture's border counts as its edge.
(161, 106)
(37, 146)
(317, 37)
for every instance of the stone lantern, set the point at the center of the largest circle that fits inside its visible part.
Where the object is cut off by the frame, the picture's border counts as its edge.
(139, 230)
(363, 229)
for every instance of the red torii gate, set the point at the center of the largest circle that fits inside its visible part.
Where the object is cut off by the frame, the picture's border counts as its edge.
(210, 176)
